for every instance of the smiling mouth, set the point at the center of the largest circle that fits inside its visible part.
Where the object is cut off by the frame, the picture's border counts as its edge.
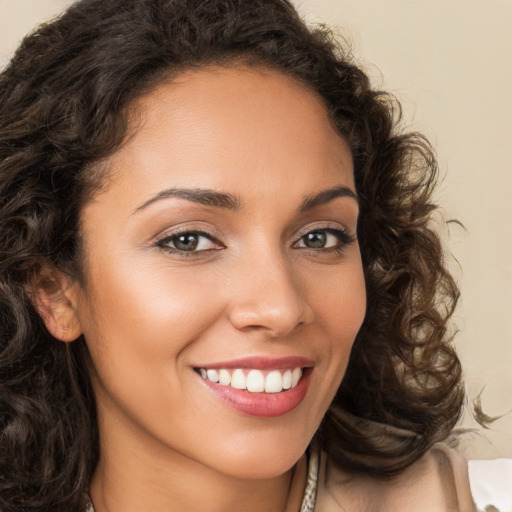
(254, 380)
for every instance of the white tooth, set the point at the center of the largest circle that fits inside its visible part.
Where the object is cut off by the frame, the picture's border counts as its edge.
(203, 373)
(255, 381)
(224, 378)
(287, 379)
(212, 375)
(296, 375)
(238, 380)
(274, 382)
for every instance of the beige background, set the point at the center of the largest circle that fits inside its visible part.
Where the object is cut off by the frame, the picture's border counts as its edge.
(449, 61)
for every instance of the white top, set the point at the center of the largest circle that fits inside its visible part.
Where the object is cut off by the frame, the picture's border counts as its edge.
(491, 484)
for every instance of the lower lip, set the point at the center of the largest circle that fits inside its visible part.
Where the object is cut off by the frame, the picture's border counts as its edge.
(262, 405)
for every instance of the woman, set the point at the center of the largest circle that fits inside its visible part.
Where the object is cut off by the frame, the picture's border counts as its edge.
(219, 284)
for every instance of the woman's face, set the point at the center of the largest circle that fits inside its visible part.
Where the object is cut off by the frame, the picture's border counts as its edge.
(224, 246)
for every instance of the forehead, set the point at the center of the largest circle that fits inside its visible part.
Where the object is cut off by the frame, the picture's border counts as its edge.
(225, 127)
(239, 88)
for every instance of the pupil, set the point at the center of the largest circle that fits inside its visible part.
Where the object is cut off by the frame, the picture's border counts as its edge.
(316, 240)
(186, 242)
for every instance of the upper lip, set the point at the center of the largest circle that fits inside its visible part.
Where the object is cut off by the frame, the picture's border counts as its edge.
(261, 363)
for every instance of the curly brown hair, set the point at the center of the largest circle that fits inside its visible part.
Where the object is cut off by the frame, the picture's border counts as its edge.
(64, 103)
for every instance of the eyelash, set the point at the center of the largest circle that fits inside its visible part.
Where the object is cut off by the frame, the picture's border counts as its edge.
(343, 237)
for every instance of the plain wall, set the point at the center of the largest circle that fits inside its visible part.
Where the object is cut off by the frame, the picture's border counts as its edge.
(449, 62)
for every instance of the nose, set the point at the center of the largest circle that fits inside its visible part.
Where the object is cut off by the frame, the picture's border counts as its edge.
(267, 296)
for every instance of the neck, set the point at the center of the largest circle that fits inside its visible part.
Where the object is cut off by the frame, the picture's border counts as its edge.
(141, 476)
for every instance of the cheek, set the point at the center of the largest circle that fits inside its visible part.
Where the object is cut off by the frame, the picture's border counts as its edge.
(138, 322)
(341, 303)
(139, 325)
(341, 308)
(151, 307)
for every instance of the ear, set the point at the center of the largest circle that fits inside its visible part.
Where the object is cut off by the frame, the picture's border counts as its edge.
(55, 297)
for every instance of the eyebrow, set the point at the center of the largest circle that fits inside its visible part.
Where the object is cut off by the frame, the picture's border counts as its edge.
(325, 196)
(197, 195)
(232, 202)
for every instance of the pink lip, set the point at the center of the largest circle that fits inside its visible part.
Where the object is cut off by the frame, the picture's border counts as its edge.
(261, 363)
(262, 405)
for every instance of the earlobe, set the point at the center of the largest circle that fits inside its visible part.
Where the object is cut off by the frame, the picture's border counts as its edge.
(54, 296)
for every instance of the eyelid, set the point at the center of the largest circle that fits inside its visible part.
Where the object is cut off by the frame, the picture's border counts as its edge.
(339, 228)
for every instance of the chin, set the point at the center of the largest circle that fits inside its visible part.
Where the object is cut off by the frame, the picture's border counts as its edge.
(264, 460)
(261, 470)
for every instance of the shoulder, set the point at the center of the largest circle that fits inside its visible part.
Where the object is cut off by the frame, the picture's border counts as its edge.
(438, 482)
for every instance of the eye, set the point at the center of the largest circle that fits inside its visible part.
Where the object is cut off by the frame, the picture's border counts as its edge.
(189, 242)
(325, 238)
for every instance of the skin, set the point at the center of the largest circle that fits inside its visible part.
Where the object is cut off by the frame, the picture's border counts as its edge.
(151, 314)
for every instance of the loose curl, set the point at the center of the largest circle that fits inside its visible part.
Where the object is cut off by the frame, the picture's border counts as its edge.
(65, 103)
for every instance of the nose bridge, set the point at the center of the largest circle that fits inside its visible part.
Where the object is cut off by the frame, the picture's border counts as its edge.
(267, 293)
